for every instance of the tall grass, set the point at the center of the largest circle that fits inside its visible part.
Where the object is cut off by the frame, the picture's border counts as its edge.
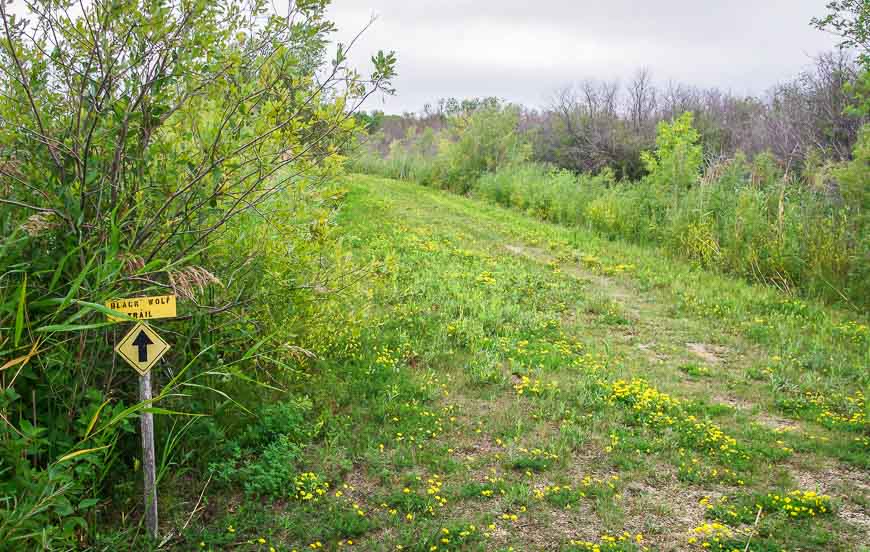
(399, 164)
(772, 231)
(807, 235)
(454, 159)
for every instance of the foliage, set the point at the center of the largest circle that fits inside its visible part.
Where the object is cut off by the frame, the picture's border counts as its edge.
(677, 159)
(484, 141)
(406, 426)
(743, 216)
(596, 125)
(135, 139)
(850, 19)
(261, 460)
(479, 137)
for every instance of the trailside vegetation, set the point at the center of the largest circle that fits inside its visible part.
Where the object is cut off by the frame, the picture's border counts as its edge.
(557, 362)
(795, 219)
(167, 146)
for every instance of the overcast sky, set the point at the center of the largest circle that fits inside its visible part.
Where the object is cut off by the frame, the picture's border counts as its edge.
(522, 51)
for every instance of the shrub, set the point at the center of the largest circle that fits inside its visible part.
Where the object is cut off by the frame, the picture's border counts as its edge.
(744, 217)
(125, 177)
(676, 162)
(482, 142)
(482, 139)
(262, 459)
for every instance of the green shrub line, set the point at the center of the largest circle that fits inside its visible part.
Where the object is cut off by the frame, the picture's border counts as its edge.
(806, 234)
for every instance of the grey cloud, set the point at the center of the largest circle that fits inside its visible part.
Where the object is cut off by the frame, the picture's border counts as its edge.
(522, 51)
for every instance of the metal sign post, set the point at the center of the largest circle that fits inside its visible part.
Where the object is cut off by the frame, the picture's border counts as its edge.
(142, 348)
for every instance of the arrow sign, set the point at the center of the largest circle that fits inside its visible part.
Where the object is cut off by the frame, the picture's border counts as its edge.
(141, 342)
(133, 348)
(142, 348)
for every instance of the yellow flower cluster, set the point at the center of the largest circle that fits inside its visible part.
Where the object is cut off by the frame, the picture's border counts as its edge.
(691, 469)
(589, 362)
(310, 487)
(553, 265)
(448, 540)
(854, 331)
(709, 436)
(386, 358)
(732, 517)
(539, 453)
(799, 504)
(591, 261)
(654, 408)
(617, 269)
(534, 386)
(644, 399)
(714, 536)
(485, 278)
(831, 409)
(610, 543)
(691, 302)
(853, 412)
(427, 424)
(432, 499)
(493, 484)
(566, 496)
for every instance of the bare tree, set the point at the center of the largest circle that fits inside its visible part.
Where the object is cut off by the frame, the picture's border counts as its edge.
(641, 100)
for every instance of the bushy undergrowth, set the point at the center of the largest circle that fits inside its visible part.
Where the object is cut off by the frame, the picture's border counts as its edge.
(473, 144)
(261, 459)
(198, 162)
(806, 234)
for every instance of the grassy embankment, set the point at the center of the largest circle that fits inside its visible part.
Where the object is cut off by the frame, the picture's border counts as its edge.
(505, 382)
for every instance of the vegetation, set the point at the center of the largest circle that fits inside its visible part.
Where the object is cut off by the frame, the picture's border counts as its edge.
(141, 146)
(553, 355)
(518, 384)
(804, 235)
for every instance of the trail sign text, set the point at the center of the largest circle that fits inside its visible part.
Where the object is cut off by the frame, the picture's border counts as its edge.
(144, 308)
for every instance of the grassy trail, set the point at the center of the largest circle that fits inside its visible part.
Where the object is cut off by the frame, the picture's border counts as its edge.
(511, 384)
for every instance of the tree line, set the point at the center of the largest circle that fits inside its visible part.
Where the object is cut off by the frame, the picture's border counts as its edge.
(597, 124)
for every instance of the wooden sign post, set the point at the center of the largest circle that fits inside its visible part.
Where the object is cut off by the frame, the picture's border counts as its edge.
(142, 348)
(149, 458)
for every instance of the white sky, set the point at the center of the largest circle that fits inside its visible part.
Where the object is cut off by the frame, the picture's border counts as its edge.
(523, 51)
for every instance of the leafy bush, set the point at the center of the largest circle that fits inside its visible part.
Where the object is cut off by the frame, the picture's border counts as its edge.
(480, 140)
(676, 162)
(551, 194)
(129, 177)
(744, 217)
(262, 459)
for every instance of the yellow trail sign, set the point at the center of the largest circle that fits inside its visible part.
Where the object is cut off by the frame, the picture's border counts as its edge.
(144, 308)
(142, 348)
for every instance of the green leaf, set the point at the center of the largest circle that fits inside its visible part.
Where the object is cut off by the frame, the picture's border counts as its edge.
(78, 453)
(164, 411)
(94, 419)
(72, 327)
(88, 503)
(19, 315)
(59, 270)
(76, 284)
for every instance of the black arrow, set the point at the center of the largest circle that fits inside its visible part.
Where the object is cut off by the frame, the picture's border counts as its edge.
(142, 341)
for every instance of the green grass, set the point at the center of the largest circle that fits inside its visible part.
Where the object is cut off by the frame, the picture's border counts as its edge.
(522, 384)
